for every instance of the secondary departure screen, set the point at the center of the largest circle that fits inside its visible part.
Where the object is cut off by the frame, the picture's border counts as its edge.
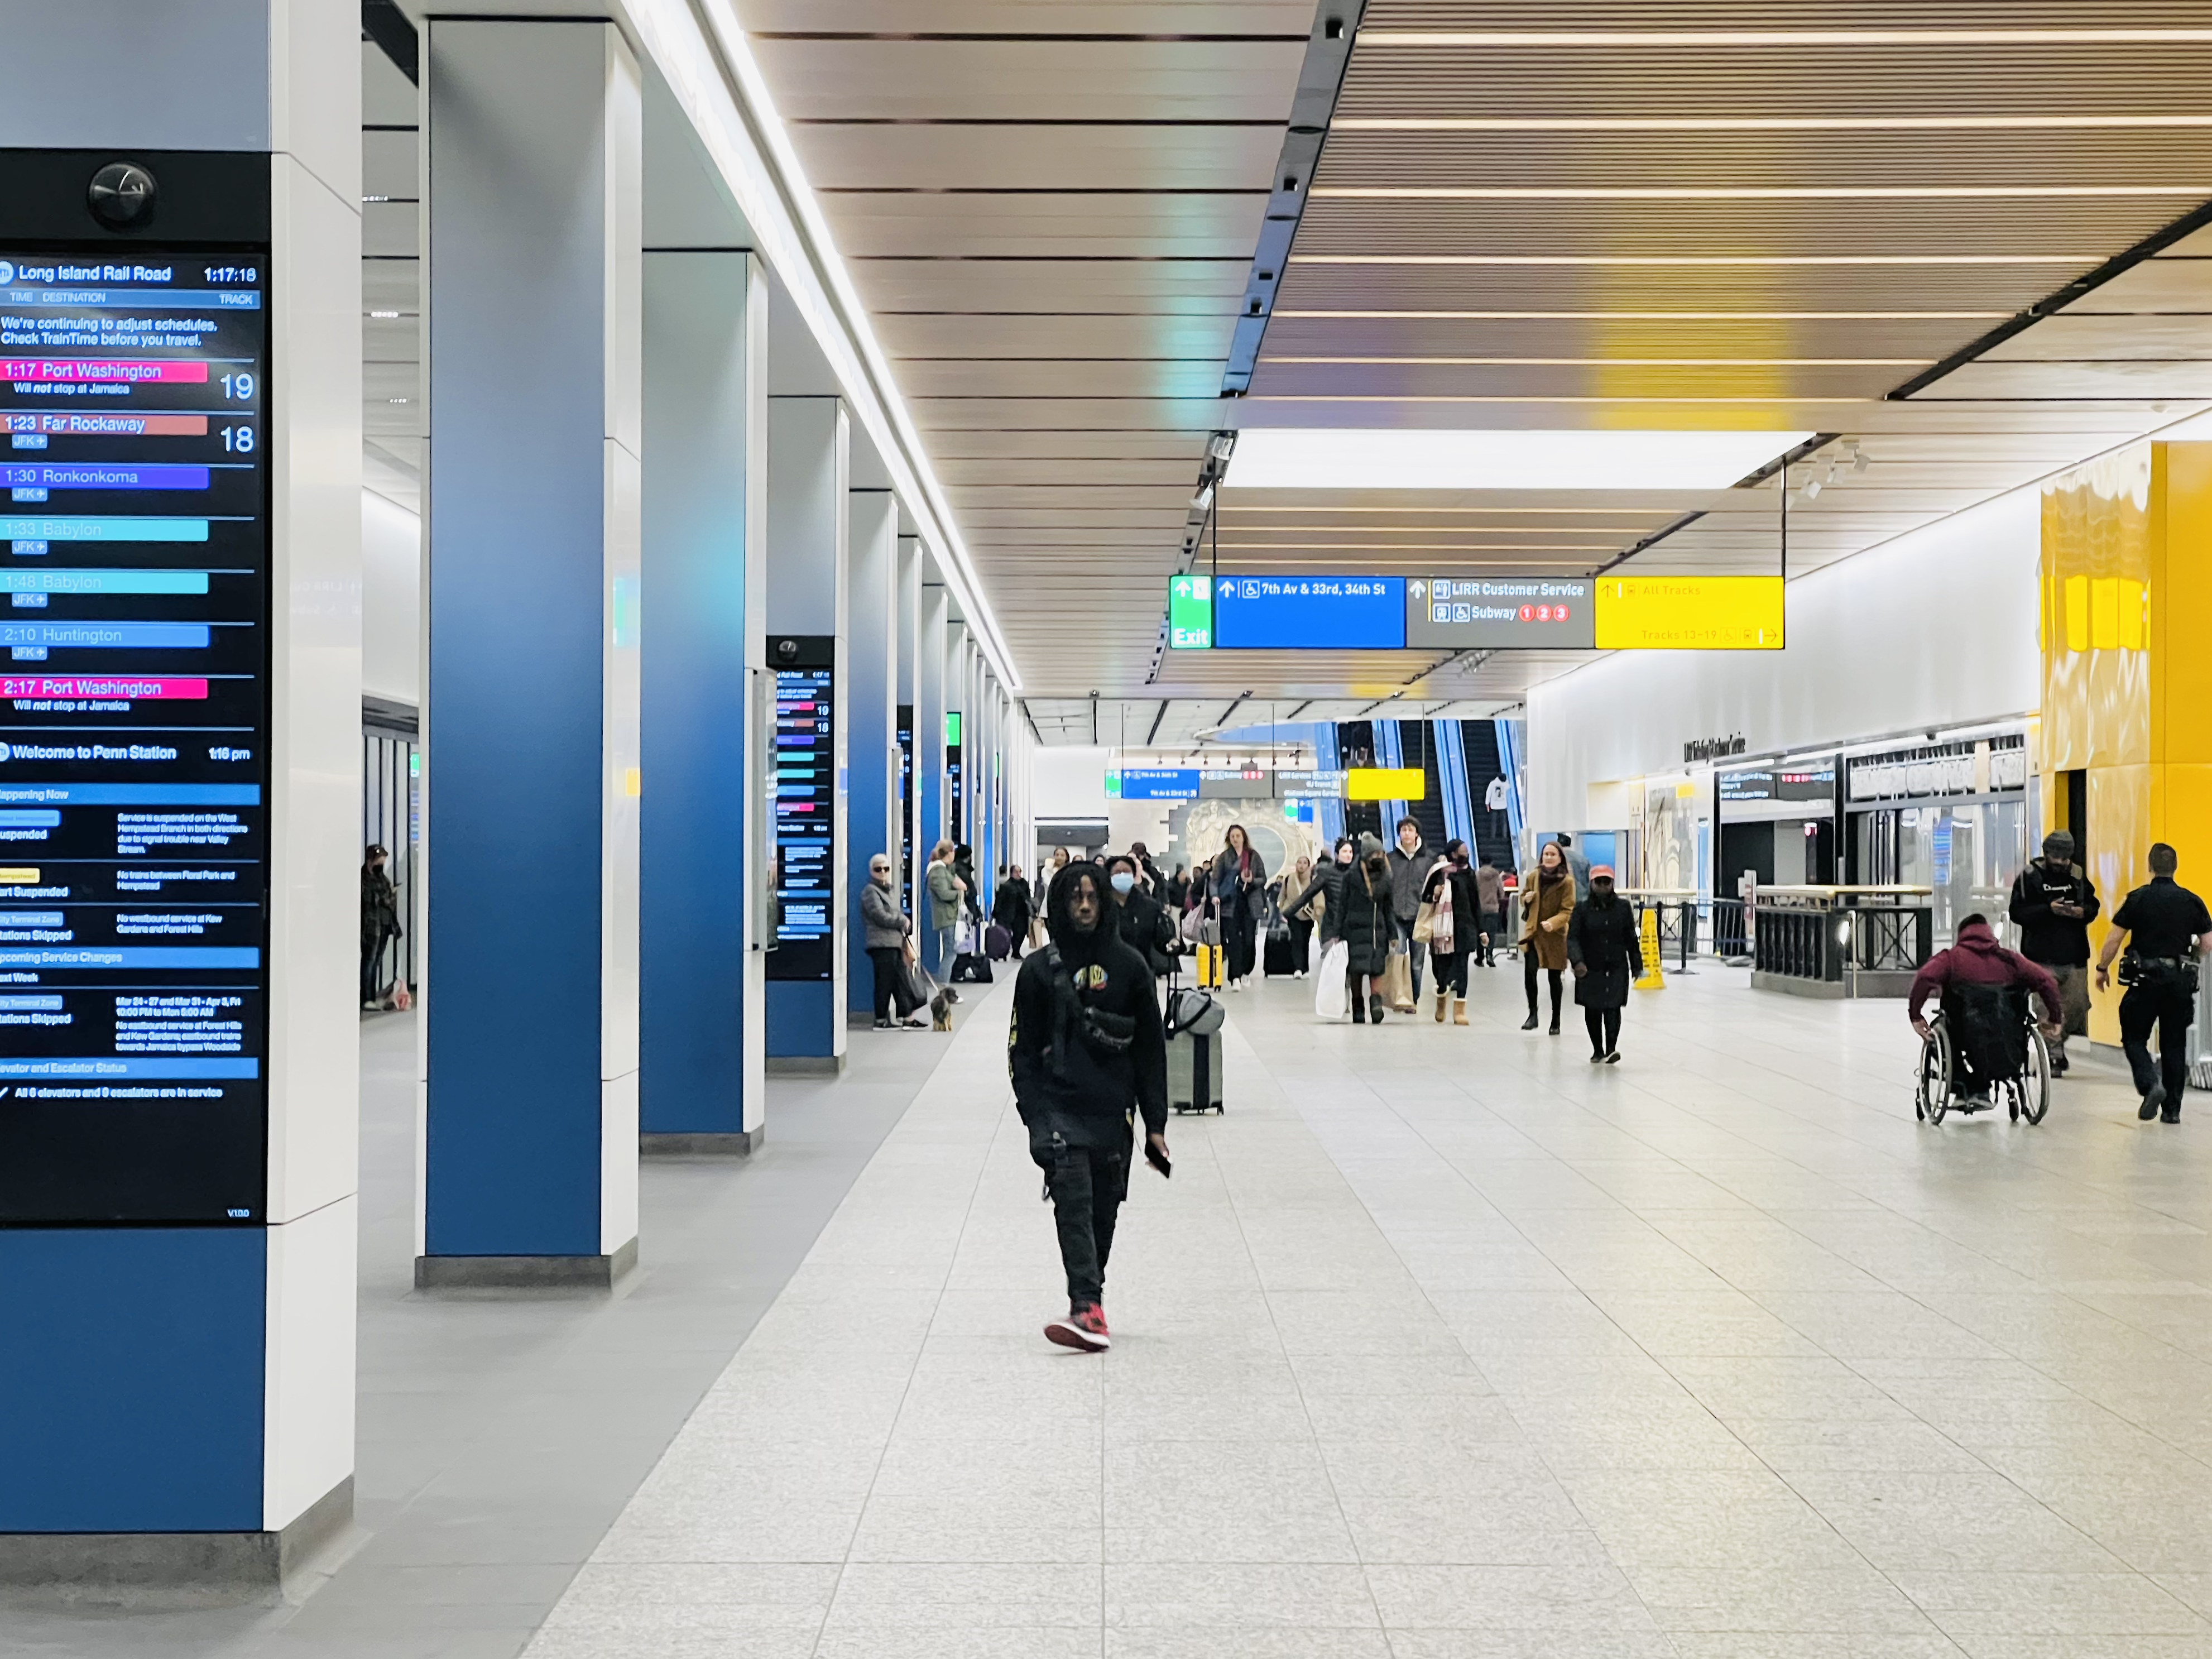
(134, 736)
(805, 808)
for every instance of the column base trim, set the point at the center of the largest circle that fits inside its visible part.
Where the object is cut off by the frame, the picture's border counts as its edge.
(805, 1064)
(112, 1566)
(524, 1273)
(717, 1143)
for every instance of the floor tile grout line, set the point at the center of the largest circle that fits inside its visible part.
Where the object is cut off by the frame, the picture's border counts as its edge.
(1874, 1203)
(952, 1262)
(1352, 1189)
(1275, 1320)
(1450, 1164)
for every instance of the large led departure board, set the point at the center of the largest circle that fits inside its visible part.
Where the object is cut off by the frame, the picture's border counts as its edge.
(806, 806)
(134, 732)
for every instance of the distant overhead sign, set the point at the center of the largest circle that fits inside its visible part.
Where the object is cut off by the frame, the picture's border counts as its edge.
(1309, 612)
(1482, 613)
(1689, 613)
(1500, 613)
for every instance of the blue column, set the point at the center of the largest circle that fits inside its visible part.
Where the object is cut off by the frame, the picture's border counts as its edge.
(929, 817)
(705, 412)
(530, 1143)
(809, 520)
(872, 816)
(906, 633)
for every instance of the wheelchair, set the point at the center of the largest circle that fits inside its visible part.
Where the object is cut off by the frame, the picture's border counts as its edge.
(1985, 1045)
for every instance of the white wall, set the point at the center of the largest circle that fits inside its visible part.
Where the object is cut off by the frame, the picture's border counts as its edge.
(1936, 629)
(1068, 783)
(391, 601)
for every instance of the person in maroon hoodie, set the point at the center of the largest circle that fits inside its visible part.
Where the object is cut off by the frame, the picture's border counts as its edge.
(1977, 958)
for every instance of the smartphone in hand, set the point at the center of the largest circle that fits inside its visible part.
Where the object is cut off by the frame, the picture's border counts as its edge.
(1156, 1158)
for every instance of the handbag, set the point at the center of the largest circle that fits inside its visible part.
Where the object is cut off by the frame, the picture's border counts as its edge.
(1328, 981)
(1424, 923)
(1397, 978)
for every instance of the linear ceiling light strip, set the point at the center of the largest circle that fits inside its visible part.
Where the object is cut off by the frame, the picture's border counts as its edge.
(701, 52)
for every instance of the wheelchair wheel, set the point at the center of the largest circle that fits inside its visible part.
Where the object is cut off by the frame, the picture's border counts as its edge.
(2031, 1088)
(1932, 1097)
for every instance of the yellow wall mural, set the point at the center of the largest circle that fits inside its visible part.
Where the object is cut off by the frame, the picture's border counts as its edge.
(2126, 568)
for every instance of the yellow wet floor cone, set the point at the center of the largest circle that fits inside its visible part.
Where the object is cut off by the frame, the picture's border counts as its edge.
(1653, 980)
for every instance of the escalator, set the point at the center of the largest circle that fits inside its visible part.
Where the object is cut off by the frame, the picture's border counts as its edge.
(1428, 810)
(1493, 838)
(1355, 746)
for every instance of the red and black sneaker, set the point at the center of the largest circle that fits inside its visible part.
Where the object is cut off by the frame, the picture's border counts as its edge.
(1085, 1327)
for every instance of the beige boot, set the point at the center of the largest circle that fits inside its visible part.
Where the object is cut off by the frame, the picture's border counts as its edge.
(1441, 998)
(1459, 1011)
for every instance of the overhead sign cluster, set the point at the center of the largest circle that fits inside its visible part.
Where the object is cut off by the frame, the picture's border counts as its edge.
(1480, 613)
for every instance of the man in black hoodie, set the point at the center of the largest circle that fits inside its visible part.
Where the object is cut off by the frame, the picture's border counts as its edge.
(2052, 905)
(1086, 1048)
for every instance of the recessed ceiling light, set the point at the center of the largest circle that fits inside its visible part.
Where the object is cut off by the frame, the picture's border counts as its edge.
(1699, 260)
(395, 400)
(1308, 457)
(1614, 39)
(386, 314)
(1629, 362)
(1663, 316)
(1756, 123)
(1741, 192)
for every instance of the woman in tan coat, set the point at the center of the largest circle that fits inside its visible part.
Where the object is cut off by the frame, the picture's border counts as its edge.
(1547, 900)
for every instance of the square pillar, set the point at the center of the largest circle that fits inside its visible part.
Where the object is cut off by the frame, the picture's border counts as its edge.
(529, 1167)
(179, 1392)
(906, 629)
(929, 822)
(809, 527)
(872, 753)
(702, 1089)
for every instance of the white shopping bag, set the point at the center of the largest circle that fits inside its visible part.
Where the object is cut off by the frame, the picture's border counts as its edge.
(1328, 983)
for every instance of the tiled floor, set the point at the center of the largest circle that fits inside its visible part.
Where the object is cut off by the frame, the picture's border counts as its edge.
(1441, 1345)
(1444, 1344)
(500, 1435)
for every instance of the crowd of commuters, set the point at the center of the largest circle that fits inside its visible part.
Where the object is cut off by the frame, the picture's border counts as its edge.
(1087, 1045)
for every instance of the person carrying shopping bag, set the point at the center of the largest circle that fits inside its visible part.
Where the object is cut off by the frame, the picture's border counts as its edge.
(1449, 910)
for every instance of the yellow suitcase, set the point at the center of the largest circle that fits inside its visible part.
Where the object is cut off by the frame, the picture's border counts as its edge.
(1209, 966)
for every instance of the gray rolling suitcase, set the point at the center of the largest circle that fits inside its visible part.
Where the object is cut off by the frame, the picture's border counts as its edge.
(1195, 1046)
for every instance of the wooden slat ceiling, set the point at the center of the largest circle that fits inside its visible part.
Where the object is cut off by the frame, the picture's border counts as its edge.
(1491, 241)
(1566, 214)
(1049, 210)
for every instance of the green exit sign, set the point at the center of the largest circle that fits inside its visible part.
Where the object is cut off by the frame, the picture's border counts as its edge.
(1190, 613)
(952, 728)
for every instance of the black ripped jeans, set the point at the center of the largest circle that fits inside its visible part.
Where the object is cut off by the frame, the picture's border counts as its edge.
(1087, 1185)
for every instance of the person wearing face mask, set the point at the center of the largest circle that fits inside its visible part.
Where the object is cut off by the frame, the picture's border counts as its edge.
(1547, 901)
(886, 928)
(1367, 925)
(1607, 953)
(1452, 945)
(1322, 895)
(1145, 926)
(1087, 1048)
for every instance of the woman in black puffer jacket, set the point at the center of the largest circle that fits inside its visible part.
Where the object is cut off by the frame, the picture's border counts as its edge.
(1367, 923)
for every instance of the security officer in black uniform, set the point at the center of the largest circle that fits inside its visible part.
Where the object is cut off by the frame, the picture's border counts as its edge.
(2166, 928)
